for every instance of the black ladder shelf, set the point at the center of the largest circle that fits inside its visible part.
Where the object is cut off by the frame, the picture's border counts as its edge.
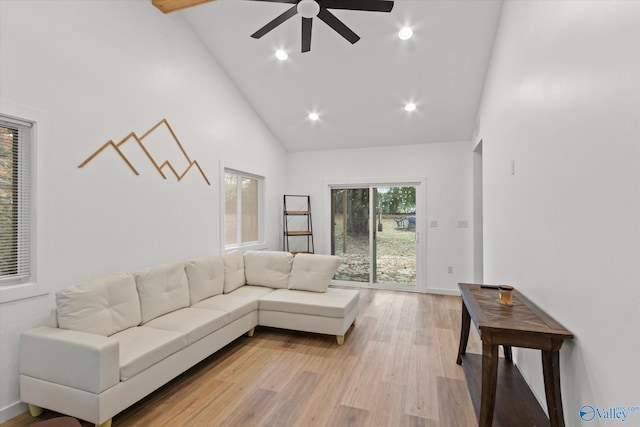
(297, 226)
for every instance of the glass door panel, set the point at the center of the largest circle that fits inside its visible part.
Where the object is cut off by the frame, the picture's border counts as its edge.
(395, 241)
(350, 233)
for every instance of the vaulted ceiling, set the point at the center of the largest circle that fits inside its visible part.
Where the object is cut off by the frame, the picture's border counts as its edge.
(359, 91)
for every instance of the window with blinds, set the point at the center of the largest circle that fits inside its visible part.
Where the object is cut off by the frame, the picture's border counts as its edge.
(15, 200)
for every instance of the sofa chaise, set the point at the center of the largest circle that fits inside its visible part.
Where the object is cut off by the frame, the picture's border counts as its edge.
(115, 339)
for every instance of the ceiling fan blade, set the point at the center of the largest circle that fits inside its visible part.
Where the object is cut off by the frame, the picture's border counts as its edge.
(367, 5)
(307, 23)
(331, 20)
(277, 21)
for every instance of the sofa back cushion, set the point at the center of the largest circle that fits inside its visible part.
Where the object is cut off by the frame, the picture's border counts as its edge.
(268, 268)
(162, 289)
(233, 271)
(312, 272)
(205, 276)
(102, 306)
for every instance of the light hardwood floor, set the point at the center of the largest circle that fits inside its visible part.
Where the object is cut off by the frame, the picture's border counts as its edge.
(396, 368)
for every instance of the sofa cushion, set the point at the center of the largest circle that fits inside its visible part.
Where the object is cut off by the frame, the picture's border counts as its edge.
(238, 303)
(205, 276)
(142, 347)
(102, 306)
(312, 272)
(195, 323)
(162, 289)
(268, 268)
(332, 303)
(233, 271)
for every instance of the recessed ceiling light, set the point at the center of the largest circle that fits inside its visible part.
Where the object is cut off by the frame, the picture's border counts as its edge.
(313, 116)
(405, 33)
(281, 55)
(410, 107)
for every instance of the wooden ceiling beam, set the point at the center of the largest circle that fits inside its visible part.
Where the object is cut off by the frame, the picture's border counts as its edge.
(167, 6)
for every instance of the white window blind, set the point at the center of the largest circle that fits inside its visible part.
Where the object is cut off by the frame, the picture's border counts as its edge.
(15, 200)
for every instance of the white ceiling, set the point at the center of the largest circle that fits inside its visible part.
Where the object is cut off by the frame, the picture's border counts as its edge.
(358, 90)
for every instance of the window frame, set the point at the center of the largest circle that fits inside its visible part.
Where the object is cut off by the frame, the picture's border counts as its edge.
(38, 138)
(242, 172)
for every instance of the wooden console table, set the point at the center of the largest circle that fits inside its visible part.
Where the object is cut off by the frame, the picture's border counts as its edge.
(521, 325)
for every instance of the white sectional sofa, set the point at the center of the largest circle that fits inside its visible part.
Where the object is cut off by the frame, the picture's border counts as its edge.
(115, 339)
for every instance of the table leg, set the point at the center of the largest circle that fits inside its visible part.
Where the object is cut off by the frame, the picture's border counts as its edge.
(551, 371)
(489, 381)
(464, 333)
(507, 353)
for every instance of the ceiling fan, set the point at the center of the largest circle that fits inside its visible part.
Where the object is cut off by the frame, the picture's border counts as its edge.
(309, 9)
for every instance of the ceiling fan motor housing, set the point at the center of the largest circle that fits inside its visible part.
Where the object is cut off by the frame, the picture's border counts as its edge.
(308, 8)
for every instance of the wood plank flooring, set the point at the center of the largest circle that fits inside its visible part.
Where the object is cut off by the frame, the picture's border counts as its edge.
(396, 368)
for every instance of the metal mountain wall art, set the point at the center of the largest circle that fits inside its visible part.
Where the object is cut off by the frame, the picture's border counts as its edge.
(159, 135)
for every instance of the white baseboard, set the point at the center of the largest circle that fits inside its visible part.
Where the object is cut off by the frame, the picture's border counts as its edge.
(11, 411)
(438, 291)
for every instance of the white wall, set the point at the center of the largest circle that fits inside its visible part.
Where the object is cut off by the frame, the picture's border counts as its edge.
(562, 99)
(447, 168)
(92, 71)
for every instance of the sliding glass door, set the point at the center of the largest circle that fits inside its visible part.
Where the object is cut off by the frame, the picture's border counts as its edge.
(373, 230)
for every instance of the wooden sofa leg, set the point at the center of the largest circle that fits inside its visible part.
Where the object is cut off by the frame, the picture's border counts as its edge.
(251, 332)
(340, 339)
(34, 410)
(105, 424)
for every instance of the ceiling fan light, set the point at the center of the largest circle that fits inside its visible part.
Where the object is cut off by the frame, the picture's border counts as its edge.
(405, 33)
(282, 55)
(313, 116)
(308, 8)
